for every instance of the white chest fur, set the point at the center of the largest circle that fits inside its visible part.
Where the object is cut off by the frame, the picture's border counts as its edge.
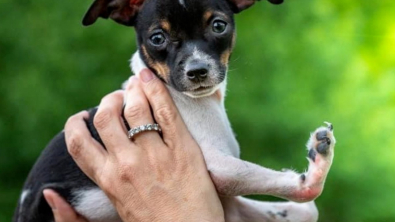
(208, 123)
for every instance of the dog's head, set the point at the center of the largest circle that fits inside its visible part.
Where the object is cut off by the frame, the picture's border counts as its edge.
(187, 43)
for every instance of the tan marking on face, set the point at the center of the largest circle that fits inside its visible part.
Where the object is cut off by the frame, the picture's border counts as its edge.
(165, 25)
(207, 15)
(146, 55)
(161, 68)
(225, 57)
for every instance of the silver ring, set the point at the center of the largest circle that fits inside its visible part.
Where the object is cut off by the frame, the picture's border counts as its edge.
(147, 127)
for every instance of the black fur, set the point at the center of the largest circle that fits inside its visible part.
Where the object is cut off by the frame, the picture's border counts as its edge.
(54, 169)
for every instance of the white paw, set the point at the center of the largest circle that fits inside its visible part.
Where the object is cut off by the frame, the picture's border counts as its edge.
(320, 155)
(322, 143)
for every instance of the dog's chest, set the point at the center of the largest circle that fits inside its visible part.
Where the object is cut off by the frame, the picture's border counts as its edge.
(208, 123)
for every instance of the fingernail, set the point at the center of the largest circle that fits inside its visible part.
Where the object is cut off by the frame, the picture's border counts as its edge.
(50, 201)
(146, 75)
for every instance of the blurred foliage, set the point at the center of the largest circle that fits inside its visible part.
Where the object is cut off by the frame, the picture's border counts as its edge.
(294, 66)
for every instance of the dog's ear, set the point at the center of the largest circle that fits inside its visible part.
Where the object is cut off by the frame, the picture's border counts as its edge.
(240, 5)
(121, 11)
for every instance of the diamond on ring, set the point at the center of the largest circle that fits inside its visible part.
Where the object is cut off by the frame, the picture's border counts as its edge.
(147, 127)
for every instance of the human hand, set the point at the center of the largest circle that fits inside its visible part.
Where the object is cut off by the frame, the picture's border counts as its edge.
(147, 178)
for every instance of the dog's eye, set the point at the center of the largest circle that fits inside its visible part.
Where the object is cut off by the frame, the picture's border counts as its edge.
(219, 26)
(157, 39)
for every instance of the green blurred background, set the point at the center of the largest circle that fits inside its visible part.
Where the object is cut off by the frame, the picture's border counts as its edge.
(294, 66)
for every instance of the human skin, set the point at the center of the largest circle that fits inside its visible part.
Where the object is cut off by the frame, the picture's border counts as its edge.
(151, 177)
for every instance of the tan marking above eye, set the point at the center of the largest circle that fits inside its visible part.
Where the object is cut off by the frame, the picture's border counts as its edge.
(206, 17)
(209, 15)
(161, 68)
(165, 25)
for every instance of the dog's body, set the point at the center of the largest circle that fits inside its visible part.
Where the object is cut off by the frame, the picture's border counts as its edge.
(193, 62)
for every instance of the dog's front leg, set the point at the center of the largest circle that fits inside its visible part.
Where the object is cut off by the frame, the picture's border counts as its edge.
(234, 177)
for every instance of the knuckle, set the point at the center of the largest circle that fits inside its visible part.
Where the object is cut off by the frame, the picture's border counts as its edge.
(75, 143)
(134, 112)
(102, 118)
(165, 115)
(126, 171)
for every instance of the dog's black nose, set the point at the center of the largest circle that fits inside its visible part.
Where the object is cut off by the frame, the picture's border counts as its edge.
(197, 71)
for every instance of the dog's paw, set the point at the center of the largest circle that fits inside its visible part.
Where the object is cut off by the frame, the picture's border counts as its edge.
(321, 143)
(320, 155)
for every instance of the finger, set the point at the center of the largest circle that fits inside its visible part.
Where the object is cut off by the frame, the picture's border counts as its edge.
(62, 211)
(164, 109)
(109, 123)
(137, 113)
(85, 150)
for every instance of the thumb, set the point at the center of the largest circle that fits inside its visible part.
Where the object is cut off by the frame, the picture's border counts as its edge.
(62, 211)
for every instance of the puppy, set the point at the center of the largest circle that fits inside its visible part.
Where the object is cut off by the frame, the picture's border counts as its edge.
(187, 44)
